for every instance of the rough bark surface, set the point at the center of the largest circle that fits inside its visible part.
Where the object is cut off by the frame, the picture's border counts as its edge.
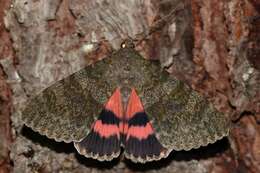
(5, 95)
(213, 45)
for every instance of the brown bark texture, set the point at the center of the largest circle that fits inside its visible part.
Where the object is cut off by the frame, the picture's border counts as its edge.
(213, 45)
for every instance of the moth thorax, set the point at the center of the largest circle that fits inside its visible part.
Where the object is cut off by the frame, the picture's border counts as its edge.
(125, 94)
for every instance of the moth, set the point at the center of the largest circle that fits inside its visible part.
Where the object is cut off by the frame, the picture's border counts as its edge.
(125, 101)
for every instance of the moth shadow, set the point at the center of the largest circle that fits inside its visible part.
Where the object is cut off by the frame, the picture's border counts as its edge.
(58, 147)
(206, 152)
(67, 148)
(201, 153)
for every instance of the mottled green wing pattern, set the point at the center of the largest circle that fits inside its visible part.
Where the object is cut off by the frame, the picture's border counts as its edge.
(65, 110)
(183, 119)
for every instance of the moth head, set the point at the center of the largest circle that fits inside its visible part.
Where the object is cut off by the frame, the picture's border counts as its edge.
(128, 43)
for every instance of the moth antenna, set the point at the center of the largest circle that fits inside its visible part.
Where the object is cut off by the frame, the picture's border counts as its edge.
(160, 23)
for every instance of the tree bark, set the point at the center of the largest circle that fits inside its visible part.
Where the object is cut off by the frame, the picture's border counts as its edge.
(214, 46)
(5, 95)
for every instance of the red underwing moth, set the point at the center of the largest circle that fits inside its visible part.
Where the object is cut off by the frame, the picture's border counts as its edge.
(125, 101)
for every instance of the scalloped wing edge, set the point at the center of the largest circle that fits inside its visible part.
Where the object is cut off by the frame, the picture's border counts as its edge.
(139, 159)
(216, 138)
(49, 135)
(98, 157)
